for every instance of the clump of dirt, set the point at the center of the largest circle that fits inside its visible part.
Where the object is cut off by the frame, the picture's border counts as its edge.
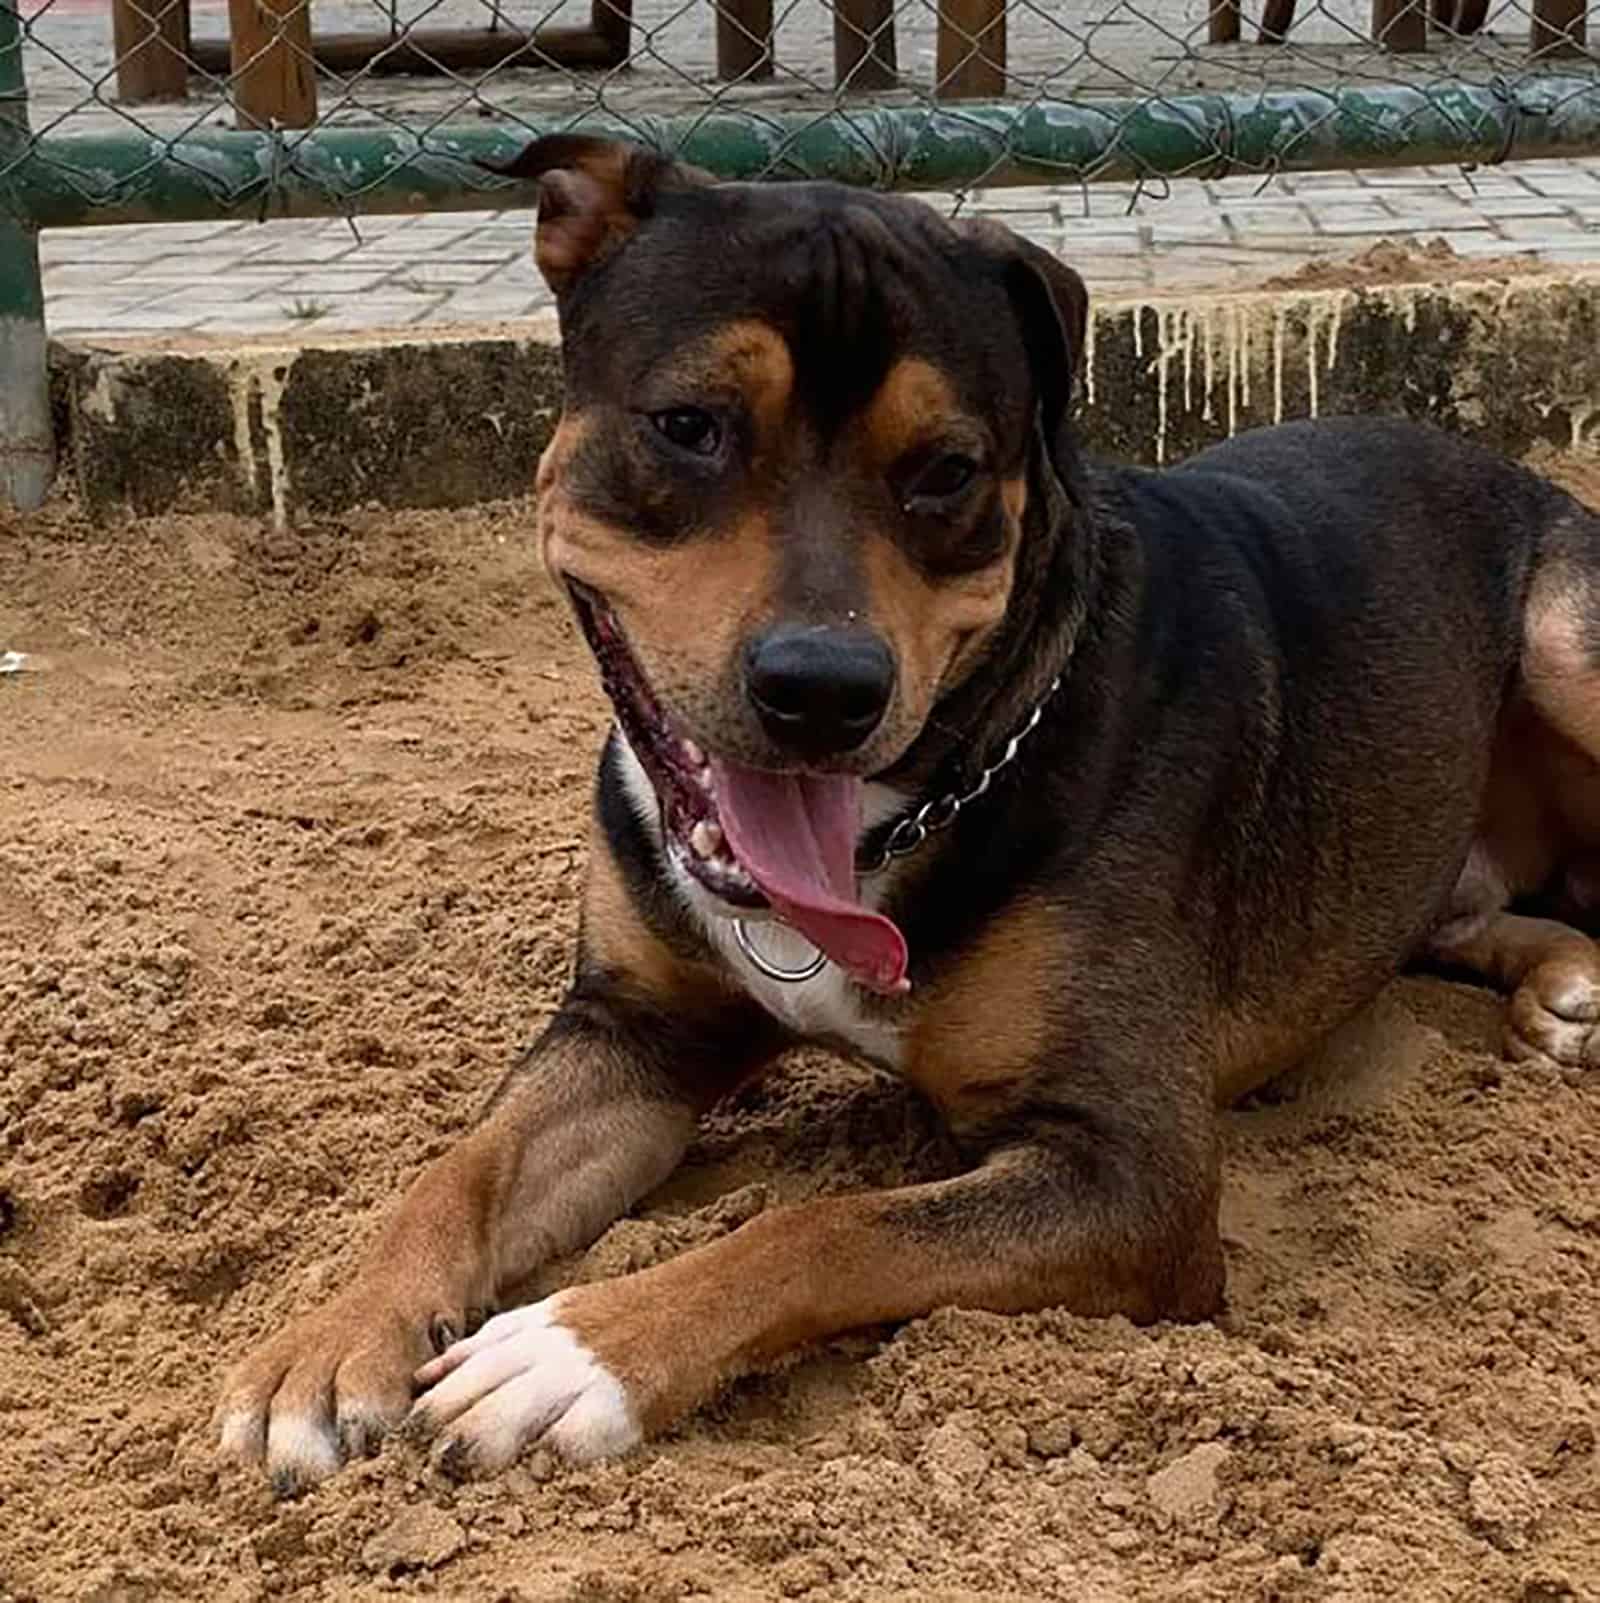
(291, 830)
(1390, 261)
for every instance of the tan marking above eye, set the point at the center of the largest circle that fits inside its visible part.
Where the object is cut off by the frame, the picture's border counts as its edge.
(756, 357)
(915, 404)
(747, 358)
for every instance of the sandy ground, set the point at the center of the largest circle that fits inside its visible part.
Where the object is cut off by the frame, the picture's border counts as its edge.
(289, 846)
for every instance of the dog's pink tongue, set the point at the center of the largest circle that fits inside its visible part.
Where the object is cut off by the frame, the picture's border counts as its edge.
(795, 836)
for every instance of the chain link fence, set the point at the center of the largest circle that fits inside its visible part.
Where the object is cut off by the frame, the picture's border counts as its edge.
(118, 111)
(367, 103)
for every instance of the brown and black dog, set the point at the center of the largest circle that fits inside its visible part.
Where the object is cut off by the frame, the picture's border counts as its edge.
(1084, 798)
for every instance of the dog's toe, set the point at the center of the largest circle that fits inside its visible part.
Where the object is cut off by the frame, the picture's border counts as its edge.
(525, 1377)
(302, 1449)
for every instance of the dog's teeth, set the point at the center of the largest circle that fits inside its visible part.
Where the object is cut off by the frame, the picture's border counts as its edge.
(706, 838)
(704, 776)
(696, 757)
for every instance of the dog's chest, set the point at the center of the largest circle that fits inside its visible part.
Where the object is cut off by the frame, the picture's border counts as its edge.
(827, 1008)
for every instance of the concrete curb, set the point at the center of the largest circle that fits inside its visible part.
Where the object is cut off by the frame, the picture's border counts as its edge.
(316, 426)
(307, 429)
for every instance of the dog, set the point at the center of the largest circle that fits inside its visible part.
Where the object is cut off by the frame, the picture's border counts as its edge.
(1085, 798)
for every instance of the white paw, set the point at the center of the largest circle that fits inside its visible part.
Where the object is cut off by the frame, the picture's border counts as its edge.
(523, 1378)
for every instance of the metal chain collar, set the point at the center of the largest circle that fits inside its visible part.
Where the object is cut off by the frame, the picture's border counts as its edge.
(940, 813)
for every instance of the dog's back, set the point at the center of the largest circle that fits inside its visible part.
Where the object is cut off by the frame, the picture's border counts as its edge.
(1398, 631)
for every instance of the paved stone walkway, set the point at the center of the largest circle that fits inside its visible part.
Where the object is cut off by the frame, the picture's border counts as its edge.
(446, 268)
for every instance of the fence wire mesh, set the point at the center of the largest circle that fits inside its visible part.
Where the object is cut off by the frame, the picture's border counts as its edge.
(134, 108)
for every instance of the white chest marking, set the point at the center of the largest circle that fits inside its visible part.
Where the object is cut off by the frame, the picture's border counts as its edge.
(827, 1007)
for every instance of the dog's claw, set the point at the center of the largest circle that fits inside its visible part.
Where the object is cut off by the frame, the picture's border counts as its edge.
(417, 1429)
(453, 1459)
(360, 1437)
(288, 1484)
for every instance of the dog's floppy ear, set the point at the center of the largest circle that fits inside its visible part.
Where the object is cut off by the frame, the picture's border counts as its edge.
(1052, 307)
(593, 194)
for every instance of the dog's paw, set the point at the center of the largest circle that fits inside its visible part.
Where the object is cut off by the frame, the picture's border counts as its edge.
(327, 1389)
(525, 1377)
(1554, 1016)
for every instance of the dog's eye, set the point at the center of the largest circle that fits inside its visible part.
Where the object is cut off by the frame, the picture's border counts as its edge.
(690, 429)
(948, 476)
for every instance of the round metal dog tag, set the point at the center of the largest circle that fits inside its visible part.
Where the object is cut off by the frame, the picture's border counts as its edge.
(794, 975)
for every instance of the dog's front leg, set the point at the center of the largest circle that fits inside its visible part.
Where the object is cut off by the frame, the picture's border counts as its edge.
(1096, 1219)
(597, 1113)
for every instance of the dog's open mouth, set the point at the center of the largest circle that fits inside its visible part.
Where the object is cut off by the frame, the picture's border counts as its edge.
(757, 840)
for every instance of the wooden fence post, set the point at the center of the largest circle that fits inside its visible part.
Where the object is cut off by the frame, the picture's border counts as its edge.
(864, 56)
(1559, 27)
(744, 40)
(151, 40)
(971, 54)
(274, 79)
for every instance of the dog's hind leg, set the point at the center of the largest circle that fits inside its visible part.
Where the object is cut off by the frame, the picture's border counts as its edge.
(1539, 830)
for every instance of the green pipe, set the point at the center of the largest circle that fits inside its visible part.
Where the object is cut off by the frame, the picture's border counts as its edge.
(27, 445)
(128, 179)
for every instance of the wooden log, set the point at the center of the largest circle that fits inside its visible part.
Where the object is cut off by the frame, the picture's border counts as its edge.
(864, 55)
(1400, 25)
(149, 37)
(426, 51)
(273, 81)
(1559, 27)
(744, 40)
(971, 53)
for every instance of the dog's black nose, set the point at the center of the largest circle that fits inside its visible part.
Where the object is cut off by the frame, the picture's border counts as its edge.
(819, 692)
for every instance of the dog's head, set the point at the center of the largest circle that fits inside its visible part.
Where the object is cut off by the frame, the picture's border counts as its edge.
(808, 436)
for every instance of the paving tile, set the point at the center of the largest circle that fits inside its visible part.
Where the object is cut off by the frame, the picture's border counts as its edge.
(250, 322)
(213, 298)
(1483, 242)
(173, 270)
(442, 274)
(453, 219)
(1577, 252)
(334, 280)
(1528, 205)
(1577, 187)
(1542, 230)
